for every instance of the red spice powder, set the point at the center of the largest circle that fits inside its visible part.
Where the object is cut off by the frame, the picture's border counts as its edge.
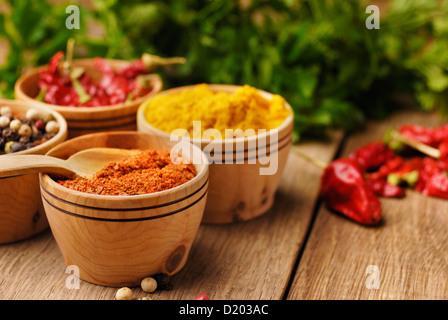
(146, 172)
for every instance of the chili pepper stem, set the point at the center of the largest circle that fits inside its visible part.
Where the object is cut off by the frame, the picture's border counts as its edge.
(318, 163)
(151, 61)
(67, 64)
(423, 148)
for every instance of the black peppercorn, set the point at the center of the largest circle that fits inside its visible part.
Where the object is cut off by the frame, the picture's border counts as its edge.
(163, 281)
(25, 132)
(24, 140)
(17, 146)
(10, 135)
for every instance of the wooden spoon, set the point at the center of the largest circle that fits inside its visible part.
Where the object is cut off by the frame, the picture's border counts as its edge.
(82, 164)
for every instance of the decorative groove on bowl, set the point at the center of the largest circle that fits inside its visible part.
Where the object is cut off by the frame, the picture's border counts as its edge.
(125, 211)
(266, 153)
(91, 126)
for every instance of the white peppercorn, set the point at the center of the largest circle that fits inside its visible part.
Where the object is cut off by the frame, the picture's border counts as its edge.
(52, 127)
(4, 121)
(124, 294)
(47, 117)
(15, 124)
(34, 129)
(149, 284)
(25, 130)
(5, 111)
(32, 114)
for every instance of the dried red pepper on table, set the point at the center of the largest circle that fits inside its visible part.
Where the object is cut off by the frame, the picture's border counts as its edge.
(384, 189)
(433, 179)
(419, 133)
(389, 166)
(431, 171)
(429, 136)
(344, 190)
(407, 173)
(350, 186)
(372, 155)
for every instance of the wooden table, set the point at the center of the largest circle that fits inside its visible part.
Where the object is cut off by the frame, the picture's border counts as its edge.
(298, 250)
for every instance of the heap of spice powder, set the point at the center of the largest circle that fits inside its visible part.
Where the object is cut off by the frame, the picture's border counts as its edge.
(245, 110)
(145, 172)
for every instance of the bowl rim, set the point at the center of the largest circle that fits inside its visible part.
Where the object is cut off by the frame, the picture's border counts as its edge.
(61, 135)
(112, 198)
(94, 109)
(284, 125)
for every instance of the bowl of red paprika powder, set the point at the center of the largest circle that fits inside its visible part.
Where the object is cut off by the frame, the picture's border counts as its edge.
(136, 218)
(103, 95)
(21, 213)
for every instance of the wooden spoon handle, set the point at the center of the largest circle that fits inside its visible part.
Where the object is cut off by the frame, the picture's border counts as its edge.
(15, 165)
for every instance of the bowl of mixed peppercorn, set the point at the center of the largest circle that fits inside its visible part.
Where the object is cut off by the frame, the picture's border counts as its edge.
(25, 129)
(134, 218)
(92, 94)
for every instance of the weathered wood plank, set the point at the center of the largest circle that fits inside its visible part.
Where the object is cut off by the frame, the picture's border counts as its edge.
(246, 260)
(409, 249)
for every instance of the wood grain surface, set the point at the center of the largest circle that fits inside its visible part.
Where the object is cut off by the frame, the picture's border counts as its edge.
(244, 260)
(298, 250)
(408, 252)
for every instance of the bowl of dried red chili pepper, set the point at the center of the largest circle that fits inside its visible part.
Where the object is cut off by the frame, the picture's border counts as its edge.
(134, 218)
(94, 95)
(25, 129)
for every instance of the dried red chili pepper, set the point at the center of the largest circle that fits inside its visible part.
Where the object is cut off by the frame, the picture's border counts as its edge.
(430, 167)
(383, 189)
(114, 87)
(419, 133)
(435, 185)
(443, 148)
(439, 134)
(407, 173)
(58, 88)
(344, 189)
(389, 166)
(372, 155)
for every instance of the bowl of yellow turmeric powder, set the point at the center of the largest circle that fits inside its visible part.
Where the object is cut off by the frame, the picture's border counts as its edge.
(245, 132)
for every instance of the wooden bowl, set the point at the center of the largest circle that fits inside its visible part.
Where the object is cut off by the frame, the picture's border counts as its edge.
(118, 240)
(238, 191)
(21, 212)
(85, 120)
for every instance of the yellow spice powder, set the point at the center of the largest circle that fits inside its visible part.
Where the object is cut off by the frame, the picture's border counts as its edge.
(244, 109)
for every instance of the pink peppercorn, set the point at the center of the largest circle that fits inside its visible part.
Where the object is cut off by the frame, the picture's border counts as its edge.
(40, 125)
